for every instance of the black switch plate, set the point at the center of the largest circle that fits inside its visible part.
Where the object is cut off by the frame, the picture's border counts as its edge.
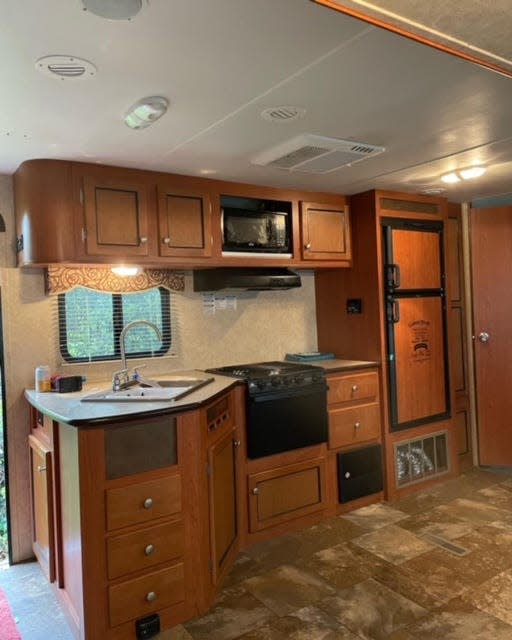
(354, 305)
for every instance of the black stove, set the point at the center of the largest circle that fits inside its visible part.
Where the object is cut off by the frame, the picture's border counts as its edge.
(286, 405)
(264, 377)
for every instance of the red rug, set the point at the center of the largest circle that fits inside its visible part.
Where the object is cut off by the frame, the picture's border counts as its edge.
(8, 630)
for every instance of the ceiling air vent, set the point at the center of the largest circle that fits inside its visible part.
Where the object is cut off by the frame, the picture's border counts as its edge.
(316, 154)
(65, 67)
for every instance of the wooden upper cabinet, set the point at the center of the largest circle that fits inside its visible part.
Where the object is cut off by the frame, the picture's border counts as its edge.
(116, 216)
(184, 222)
(325, 232)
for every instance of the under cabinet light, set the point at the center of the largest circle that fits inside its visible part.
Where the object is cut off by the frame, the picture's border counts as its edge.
(126, 270)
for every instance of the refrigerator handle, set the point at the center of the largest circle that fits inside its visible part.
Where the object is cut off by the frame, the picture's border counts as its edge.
(393, 276)
(393, 311)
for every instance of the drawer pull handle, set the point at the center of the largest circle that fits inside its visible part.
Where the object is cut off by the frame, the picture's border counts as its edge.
(255, 491)
(151, 596)
(40, 468)
(355, 388)
(149, 550)
(148, 503)
(357, 425)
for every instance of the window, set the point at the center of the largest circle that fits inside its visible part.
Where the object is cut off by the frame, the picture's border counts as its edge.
(90, 324)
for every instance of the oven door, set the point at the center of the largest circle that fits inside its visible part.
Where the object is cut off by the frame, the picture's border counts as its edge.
(286, 419)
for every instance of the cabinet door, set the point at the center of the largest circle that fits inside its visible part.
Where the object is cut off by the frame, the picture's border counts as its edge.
(223, 501)
(283, 494)
(42, 506)
(184, 219)
(116, 217)
(325, 232)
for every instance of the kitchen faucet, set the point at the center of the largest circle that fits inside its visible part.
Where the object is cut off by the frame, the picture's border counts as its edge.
(121, 379)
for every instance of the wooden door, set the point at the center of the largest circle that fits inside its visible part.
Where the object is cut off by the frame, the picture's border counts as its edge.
(419, 391)
(42, 507)
(325, 232)
(116, 217)
(491, 260)
(223, 501)
(413, 250)
(184, 219)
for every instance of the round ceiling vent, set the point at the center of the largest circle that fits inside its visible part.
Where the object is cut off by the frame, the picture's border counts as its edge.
(283, 114)
(65, 67)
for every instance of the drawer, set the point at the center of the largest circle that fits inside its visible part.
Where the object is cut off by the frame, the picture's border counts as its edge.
(145, 548)
(353, 388)
(142, 596)
(144, 501)
(351, 425)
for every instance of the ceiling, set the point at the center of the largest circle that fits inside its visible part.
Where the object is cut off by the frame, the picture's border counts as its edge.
(221, 63)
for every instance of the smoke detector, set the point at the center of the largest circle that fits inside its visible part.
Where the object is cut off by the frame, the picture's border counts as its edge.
(63, 67)
(316, 154)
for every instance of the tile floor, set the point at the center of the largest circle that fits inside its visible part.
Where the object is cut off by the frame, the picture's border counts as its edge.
(434, 566)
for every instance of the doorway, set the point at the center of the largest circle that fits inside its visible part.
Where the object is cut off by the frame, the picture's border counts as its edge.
(491, 257)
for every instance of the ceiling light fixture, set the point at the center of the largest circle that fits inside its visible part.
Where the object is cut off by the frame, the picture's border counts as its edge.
(145, 112)
(463, 174)
(113, 9)
(126, 270)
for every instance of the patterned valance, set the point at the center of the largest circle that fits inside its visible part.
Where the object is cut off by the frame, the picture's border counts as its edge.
(62, 279)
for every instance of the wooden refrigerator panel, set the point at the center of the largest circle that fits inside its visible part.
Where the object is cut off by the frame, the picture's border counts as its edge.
(419, 361)
(418, 256)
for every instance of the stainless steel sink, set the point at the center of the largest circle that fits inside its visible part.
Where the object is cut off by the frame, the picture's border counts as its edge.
(173, 388)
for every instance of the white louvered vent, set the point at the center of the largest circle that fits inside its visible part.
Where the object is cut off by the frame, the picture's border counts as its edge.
(316, 154)
(65, 67)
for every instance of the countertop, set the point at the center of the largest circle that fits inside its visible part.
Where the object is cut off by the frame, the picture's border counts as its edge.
(68, 408)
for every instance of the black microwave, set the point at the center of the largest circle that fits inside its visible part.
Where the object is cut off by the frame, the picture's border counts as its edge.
(258, 229)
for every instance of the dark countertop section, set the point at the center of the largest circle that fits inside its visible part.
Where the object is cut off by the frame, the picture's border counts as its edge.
(68, 408)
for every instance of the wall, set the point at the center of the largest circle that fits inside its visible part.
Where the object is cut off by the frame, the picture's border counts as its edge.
(264, 326)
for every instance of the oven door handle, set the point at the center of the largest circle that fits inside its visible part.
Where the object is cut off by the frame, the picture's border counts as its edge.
(282, 394)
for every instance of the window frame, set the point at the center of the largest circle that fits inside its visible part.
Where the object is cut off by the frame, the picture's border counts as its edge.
(118, 325)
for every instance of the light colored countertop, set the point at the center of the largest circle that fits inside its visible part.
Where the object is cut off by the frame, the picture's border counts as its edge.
(68, 408)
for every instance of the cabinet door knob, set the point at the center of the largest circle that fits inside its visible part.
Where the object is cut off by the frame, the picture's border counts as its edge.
(357, 425)
(355, 387)
(143, 240)
(151, 596)
(307, 245)
(148, 503)
(236, 443)
(166, 240)
(255, 491)
(149, 550)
